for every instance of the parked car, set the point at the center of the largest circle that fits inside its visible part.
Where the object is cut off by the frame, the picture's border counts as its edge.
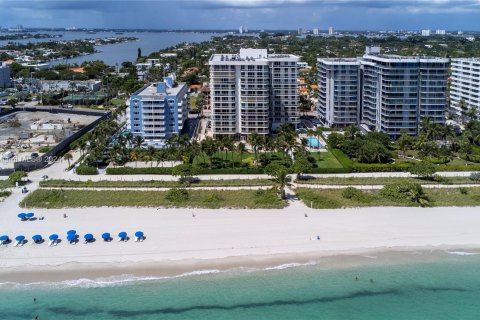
(8, 155)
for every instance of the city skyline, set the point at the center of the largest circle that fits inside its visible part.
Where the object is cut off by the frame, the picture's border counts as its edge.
(254, 14)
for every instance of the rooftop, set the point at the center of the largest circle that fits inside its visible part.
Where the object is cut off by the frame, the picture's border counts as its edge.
(392, 57)
(151, 90)
(252, 55)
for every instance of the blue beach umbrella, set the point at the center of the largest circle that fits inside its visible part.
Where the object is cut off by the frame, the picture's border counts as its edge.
(74, 232)
(22, 215)
(106, 236)
(37, 237)
(4, 238)
(29, 215)
(53, 237)
(139, 234)
(122, 234)
(71, 237)
(20, 238)
(88, 236)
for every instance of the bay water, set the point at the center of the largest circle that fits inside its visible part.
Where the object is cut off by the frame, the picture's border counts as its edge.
(412, 285)
(112, 54)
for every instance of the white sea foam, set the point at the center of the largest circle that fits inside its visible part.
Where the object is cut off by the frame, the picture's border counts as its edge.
(290, 265)
(462, 253)
(119, 280)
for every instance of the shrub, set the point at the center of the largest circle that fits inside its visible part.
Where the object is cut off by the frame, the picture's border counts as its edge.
(176, 195)
(355, 194)
(351, 193)
(265, 197)
(16, 176)
(405, 191)
(213, 198)
(86, 170)
(424, 170)
(475, 176)
(44, 149)
(463, 190)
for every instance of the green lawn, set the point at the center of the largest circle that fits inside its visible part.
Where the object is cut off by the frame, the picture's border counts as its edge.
(326, 160)
(117, 102)
(333, 199)
(4, 194)
(383, 180)
(5, 184)
(153, 183)
(250, 199)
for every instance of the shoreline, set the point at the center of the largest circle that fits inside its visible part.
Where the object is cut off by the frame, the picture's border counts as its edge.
(111, 273)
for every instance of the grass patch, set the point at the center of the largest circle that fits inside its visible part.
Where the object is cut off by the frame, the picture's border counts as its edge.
(5, 184)
(153, 183)
(335, 198)
(213, 199)
(355, 181)
(326, 160)
(4, 194)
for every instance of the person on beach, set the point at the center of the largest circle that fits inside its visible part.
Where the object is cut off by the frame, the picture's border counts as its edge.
(35, 300)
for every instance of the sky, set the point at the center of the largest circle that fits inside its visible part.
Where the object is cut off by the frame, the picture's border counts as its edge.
(253, 14)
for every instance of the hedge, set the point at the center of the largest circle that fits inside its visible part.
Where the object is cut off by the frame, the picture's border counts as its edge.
(86, 170)
(160, 170)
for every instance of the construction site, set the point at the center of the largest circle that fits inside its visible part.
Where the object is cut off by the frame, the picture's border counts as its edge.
(26, 135)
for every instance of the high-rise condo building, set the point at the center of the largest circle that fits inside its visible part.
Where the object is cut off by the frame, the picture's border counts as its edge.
(339, 92)
(330, 31)
(5, 81)
(465, 85)
(316, 31)
(397, 92)
(385, 93)
(158, 110)
(253, 92)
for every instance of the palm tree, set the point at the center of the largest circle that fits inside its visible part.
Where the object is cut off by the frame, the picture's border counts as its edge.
(280, 178)
(241, 148)
(160, 157)
(68, 157)
(82, 145)
(351, 132)
(137, 141)
(318, 133)
(254, 141)
(134, 156)
(151, 155)
(209, 147)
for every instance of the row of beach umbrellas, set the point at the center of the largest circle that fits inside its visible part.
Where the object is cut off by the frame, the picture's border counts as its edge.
(72, 237)
(24, 216)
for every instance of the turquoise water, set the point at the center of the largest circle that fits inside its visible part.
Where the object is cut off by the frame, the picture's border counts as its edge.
(313, 142)
(441, 286)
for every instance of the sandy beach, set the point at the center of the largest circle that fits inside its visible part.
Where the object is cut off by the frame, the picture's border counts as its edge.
(176, 242)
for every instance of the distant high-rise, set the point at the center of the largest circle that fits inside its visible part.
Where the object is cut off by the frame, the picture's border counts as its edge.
(316, 31)
(253, 92)
(301, 31)
(330, 31)
(440, 32)
(240, 29)
(5, 81)
(465, 85)
(426, 33)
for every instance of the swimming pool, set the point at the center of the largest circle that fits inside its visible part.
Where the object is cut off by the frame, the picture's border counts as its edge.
(313, 142)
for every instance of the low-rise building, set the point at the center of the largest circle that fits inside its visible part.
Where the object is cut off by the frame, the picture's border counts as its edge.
(68, 85)
(158, 110)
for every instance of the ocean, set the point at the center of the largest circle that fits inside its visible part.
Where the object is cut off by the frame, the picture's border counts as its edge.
(111, 54)
(414, 285)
